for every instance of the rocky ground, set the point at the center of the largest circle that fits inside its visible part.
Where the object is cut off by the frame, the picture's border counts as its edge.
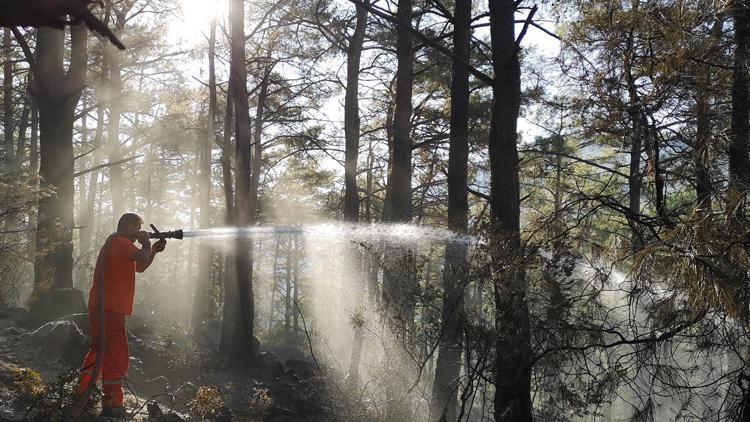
(171, 378)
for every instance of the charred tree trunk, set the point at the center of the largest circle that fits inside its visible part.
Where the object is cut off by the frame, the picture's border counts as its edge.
(455, 273)
(512, 371)
(201, 296)
(242, 345)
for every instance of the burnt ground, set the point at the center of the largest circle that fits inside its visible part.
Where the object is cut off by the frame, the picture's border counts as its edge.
(167, 371)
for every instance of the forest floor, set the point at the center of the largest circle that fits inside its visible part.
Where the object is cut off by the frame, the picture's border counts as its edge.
(171, 377)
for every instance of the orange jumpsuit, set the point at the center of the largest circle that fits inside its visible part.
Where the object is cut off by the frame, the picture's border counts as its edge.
(119, 292)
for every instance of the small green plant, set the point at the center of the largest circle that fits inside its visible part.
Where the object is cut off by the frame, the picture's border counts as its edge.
(207, 403)
(29, 383)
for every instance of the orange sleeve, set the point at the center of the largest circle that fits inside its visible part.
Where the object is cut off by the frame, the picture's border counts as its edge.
(123, 249)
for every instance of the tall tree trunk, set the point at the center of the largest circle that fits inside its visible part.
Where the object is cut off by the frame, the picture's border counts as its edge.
(113, 131)
(258, 140)
(57, 95)
(242, 347)
(399, 281)
(87, 218)
(635, 176)
(227, 160)
(351, 116)
(295, 276)
(351, 192)
(701, 153)
(34, 138)
(455, 272)
(230, 283)
(288, 289)
(739, 162)
(8, 147)
(201, 296)
(513, 348)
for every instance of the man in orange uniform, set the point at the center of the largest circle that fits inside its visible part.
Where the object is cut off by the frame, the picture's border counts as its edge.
(121, 259)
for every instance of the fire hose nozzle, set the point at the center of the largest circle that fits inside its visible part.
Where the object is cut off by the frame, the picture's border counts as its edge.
(176, 234)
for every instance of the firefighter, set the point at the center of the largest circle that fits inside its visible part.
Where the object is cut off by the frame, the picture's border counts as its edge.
(123, 260)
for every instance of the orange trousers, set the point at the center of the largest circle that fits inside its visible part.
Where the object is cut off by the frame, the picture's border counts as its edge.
(115, 364)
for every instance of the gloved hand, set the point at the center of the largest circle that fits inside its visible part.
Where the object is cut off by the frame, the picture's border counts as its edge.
(159, 245)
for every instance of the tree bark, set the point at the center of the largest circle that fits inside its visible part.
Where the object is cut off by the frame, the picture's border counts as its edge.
(635, 176)
(351, 116)
(229, 262)
(455, 272)
(87, 218)
(512, 372)
(57, 95)
(112, 57)
(201, 296)
(399, 278)
(242, 347)
(9, 148)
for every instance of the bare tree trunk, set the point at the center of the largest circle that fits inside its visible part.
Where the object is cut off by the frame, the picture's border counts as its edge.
(242, 345)
(351, 116)
(8, 100)
(87, 218)
(275, 284)
(112, 56)
(295, 275)
(201, 296)
(399, 279)
(34, 139)
(701, 153)
(635, 176)
(513, 348)
(57, 95)
(288, 288)
(455, 273)
(230, 282)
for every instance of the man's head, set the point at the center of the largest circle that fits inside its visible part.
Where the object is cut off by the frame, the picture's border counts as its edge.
(129, 225)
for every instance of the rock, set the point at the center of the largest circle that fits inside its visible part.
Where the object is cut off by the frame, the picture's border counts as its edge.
(267, 366)
(53, 304)
(301, 368)
(286, 353)
(80, 320)
(13, 331)
(59, 338)
(6, 373)
(155, 414)
(157, 385)
(13, 314)
(187, 391)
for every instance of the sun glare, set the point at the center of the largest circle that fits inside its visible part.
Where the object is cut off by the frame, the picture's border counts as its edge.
(192, 24)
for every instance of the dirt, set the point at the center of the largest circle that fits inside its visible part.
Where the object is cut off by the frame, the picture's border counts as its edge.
(167, 371)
